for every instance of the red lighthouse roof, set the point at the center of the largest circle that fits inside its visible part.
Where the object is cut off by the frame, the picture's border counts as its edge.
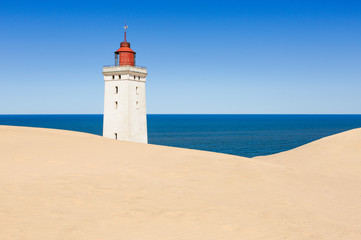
(125, 47)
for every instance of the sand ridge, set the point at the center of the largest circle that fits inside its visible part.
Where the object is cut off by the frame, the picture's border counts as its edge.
(57, 184)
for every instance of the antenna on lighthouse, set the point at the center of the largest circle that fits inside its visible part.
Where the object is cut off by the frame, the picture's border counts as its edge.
(125, 31)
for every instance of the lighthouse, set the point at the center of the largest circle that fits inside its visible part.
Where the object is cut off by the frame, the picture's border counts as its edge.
(124, 98)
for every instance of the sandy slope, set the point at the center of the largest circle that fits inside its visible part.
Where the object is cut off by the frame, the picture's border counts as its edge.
(66, 185)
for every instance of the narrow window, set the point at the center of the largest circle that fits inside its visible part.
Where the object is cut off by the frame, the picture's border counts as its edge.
(113, 77)
(116, 105)
(116, 136)
(137, 90)
(137, 105)
(134, 77)
(116, 90)
(120, 76)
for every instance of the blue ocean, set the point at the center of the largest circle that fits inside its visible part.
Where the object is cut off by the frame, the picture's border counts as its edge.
(242, 135)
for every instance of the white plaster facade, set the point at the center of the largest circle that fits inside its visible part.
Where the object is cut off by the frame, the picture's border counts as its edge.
(124, 104)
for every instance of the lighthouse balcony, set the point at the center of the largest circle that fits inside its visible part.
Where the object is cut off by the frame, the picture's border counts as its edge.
(134, 73)
(138, 69)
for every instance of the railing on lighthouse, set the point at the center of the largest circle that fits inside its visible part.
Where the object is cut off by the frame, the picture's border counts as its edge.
(117, 65)
(116, 59)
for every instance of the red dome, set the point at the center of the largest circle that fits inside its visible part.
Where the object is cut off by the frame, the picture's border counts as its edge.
(125, 47)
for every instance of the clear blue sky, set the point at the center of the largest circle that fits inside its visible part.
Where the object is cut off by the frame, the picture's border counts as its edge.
(202, 56)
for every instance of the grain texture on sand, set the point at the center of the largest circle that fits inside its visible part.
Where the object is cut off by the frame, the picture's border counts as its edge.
(66, 185)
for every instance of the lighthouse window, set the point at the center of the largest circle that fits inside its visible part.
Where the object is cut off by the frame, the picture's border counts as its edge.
(116, 90)
(134, 77)
(137, 105)
(116, 105)
(113, 77)
(116, 136)
(120, 76)
(136, 90)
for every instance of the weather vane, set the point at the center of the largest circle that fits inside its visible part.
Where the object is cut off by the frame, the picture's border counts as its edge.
(125, 25)
(125, 31)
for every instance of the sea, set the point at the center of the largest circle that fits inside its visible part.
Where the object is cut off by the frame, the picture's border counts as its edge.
(242, 135)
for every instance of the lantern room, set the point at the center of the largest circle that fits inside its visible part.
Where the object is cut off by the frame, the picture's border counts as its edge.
(124, 56)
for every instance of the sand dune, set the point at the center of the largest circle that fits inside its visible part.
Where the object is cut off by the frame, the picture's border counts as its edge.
(66, 185)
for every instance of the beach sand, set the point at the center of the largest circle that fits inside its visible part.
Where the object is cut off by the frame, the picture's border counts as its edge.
(58, 184)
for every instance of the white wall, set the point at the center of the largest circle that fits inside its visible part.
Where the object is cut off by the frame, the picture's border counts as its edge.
(128, 120)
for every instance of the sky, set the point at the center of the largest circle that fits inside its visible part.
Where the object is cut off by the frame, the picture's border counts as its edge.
(203, 57)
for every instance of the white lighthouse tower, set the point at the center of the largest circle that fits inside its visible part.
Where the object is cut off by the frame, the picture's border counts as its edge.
(124, 100)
